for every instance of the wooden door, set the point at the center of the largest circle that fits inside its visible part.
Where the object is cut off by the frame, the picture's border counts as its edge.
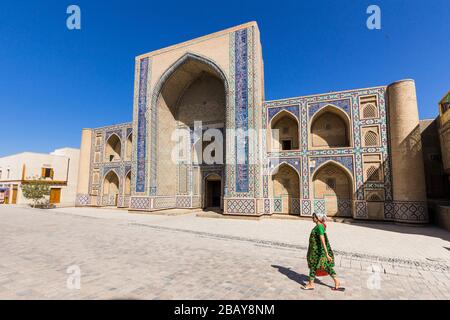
(55, 195)
(14, 195)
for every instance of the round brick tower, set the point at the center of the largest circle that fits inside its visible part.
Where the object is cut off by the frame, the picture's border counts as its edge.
(408, 176)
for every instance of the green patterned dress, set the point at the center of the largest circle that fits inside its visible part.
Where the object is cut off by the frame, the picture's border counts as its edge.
(318, 263)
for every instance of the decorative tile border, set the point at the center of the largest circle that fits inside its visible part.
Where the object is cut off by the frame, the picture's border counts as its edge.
(241, 110)
(141, 139)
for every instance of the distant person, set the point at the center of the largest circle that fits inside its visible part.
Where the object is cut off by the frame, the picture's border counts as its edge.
(320, 256)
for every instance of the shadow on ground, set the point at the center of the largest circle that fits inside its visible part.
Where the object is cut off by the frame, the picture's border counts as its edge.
(425, 230)
(297, 277)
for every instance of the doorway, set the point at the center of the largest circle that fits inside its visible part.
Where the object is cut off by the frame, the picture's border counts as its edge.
(14, 195)
(55, 195)
(213, 191)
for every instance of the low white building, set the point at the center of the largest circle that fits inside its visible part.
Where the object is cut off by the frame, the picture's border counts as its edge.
(59, 169)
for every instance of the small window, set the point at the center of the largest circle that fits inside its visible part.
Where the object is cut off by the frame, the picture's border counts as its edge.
(286, 144)
(47, 173)
(371, 139)
(369, 111)
(373, 174)
(7, 174)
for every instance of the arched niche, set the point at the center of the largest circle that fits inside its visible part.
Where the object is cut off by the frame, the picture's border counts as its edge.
(285, 185)
(111, 184)
(193, 89)
(333, 184)
(330, 128)
(113, 150)
(284, 132)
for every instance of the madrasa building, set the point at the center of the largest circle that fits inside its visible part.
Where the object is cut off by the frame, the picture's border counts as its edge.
(354, 153)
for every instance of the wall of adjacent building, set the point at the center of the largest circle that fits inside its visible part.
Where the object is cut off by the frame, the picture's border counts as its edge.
(28, 166)
(437, 183)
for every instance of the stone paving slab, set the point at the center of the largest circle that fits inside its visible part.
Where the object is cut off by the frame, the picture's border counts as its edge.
(427, 244)
(121, 258)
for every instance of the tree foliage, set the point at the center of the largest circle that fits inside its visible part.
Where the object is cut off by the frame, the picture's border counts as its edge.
(35, 189)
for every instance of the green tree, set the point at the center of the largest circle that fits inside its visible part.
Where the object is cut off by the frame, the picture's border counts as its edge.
(35, 189)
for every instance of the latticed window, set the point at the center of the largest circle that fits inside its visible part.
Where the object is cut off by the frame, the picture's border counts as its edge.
(373, 174)
(371, 139)
(369, 111)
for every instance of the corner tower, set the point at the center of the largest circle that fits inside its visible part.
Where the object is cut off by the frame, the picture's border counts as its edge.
(408, 177)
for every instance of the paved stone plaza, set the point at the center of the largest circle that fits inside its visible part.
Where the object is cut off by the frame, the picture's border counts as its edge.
(179, 255)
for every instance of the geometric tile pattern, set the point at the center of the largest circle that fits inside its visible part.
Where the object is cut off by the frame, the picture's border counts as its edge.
(164, 202)
(406, 211)
(83, 200)
(243, 206)
(141, 203)
(306, 208)
(277, 205)
(266, 206)
(295, 205)
(319, 206)
(361, 209)
(183, 202)
(345, 208)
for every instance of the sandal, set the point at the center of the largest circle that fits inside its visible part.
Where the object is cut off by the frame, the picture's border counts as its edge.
(305, 288)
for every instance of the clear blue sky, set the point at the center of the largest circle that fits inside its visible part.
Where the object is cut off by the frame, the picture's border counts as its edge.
(54, 82)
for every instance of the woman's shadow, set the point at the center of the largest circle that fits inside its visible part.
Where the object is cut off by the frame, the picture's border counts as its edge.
(297, 277)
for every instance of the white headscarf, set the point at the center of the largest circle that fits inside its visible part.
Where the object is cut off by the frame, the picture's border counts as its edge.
(321, 216)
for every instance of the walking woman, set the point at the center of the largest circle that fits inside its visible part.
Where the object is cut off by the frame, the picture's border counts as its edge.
(320, 256)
